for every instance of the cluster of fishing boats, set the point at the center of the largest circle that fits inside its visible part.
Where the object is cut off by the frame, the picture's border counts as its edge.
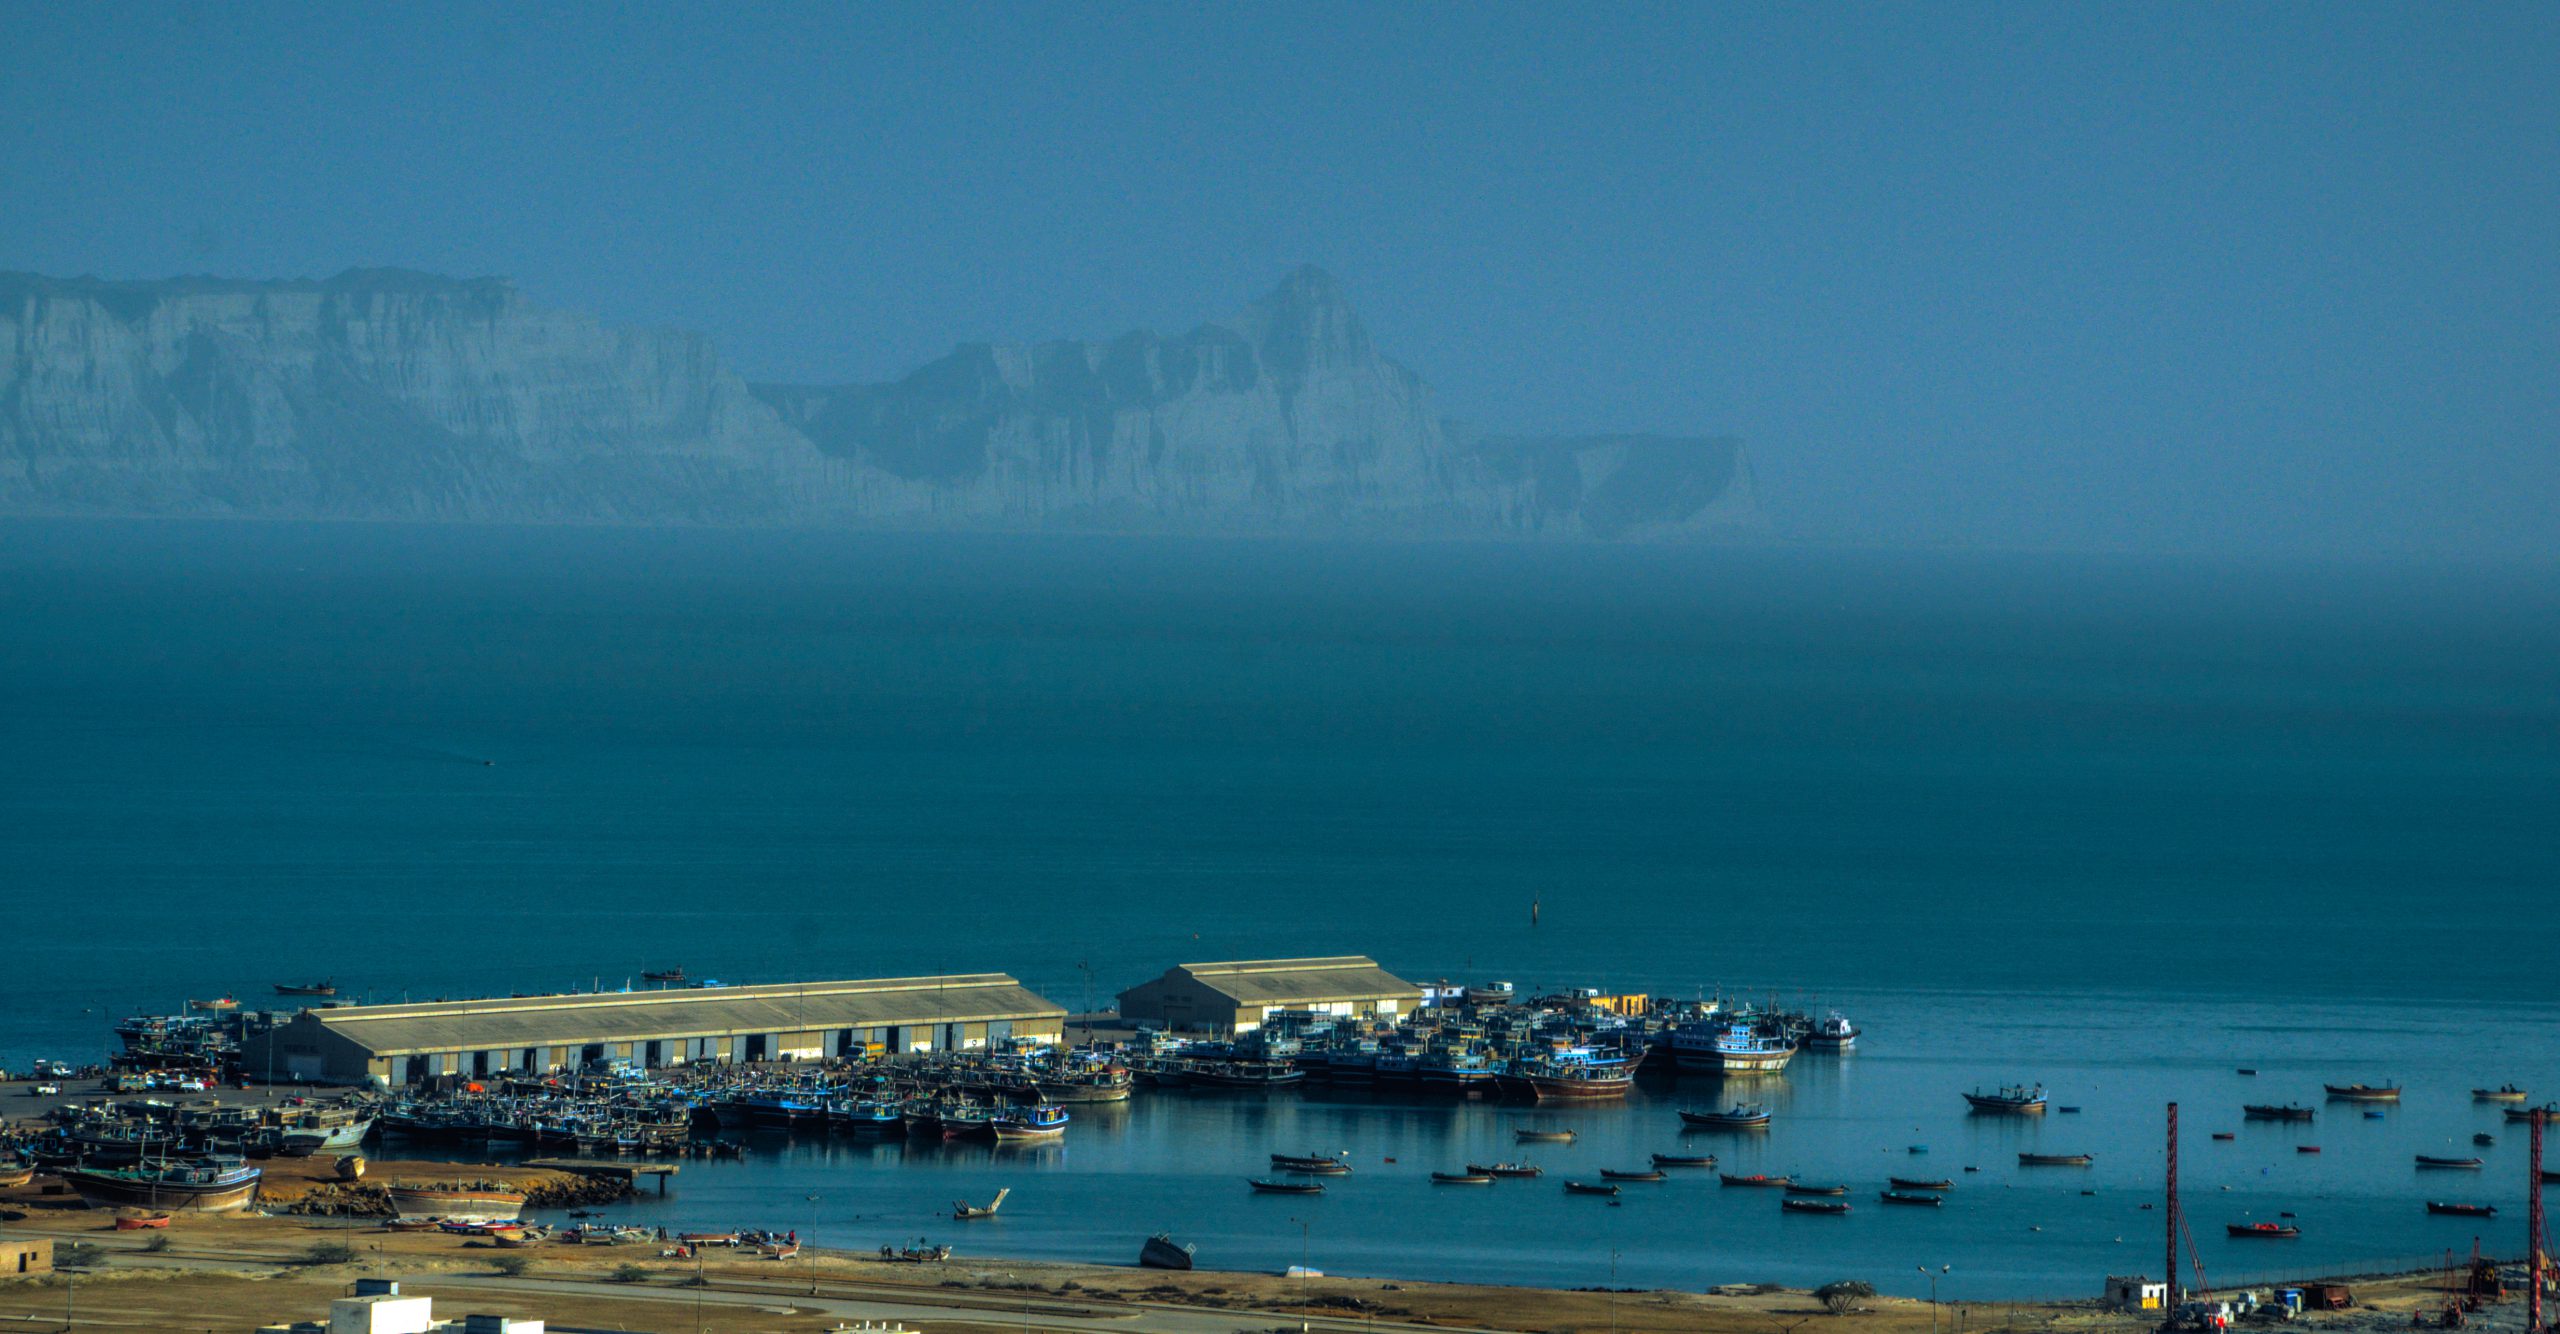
(1553, 1049)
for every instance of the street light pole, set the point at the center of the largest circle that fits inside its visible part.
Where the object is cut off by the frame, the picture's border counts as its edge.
(1933, 1292)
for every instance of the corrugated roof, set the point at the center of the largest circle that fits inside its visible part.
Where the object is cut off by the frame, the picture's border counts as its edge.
(532, 1021)
(1285, 981)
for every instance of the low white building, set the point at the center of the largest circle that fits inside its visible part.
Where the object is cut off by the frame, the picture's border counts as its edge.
(382, 1313)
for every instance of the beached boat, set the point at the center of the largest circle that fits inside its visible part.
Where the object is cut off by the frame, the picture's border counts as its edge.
(2014, 1100)
(1795, 1189)
(1285, 1187)
(2503, 1093)
(1462, 1178)
(1588, 1188)
(1684, 1160)
(1908, 1197)
(1915, 1183)
(2054, 1160)
(1310, 1165)
(1507, 1169)
(1737, 1117)
(2259, 1111)
(2364, 1092)
(2430, 1160)
(1163, 1252)
(2267, 1230)
(455, 1202)
(1814, 1206)
(1544, 1136)
(139, 1222)
(1834, 1033)
(306, 989)
(1649, 1174)
(206, 1185)
(1755, 1179)
(16, 1174)
(2461, 1210)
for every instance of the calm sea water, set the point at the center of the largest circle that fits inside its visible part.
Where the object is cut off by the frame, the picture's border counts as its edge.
(2119, 826)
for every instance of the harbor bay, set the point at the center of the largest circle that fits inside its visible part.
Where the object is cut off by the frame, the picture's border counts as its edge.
(2013, 845)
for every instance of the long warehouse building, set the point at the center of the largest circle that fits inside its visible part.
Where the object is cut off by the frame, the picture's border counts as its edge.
(397, 1044)
(1241, 995)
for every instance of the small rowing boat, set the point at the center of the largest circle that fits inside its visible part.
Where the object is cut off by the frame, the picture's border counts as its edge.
(1268, 1187)
(1462, 1178)
(2055, 1160)
(1915, 1183)
(2429, 1160)
(1684, 1160)
(2259, 1111)
(2364, 1092)
(1910, 1197)
(1814, 1206)
(2503, 1093)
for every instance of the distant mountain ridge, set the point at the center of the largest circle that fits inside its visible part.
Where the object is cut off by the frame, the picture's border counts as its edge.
(393, 394)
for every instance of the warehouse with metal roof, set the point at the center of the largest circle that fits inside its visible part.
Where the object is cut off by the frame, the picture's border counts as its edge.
(782, 1021)
(1239, 996)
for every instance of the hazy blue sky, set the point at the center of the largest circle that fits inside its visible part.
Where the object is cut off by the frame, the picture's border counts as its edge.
(2150, 275)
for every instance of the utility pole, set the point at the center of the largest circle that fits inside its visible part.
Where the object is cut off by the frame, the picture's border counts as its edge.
(2535, 1237)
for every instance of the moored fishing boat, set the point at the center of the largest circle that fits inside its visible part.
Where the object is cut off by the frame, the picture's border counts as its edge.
(2549, 1112)
(1029, 1125)
(1462, 1178)
(1909, 1197)
(2258, 1111)
(1529, 1136)
(1507, 1169)
(2266, 1230)
(306, 989)
(1834, 1033)
(2055, 1160)
(205, 1185)
(1796, 1189)
(1915, 1183)
(2503, 1093)
(2430, 1160)
(1588, 1188)
(2012, 1100)
(2461, 1210)
(1684, 1160)
(1740, 1116)
(1730, 1048)
(1755, 1179)
(1163, 1252)
(217, 1005)
(1814, 1206)
(2364, 1092)
(1549, 1081)
(1310, 1165)
(1269, 1187)
(1648, 1174)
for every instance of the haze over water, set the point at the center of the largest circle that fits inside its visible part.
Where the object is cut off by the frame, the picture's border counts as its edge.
(2117, 825)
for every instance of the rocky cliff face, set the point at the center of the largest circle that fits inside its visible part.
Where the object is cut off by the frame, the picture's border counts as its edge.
(389, 394)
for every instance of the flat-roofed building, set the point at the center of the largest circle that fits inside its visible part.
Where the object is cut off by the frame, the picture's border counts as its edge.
(395, 1044)
(1236, 997)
